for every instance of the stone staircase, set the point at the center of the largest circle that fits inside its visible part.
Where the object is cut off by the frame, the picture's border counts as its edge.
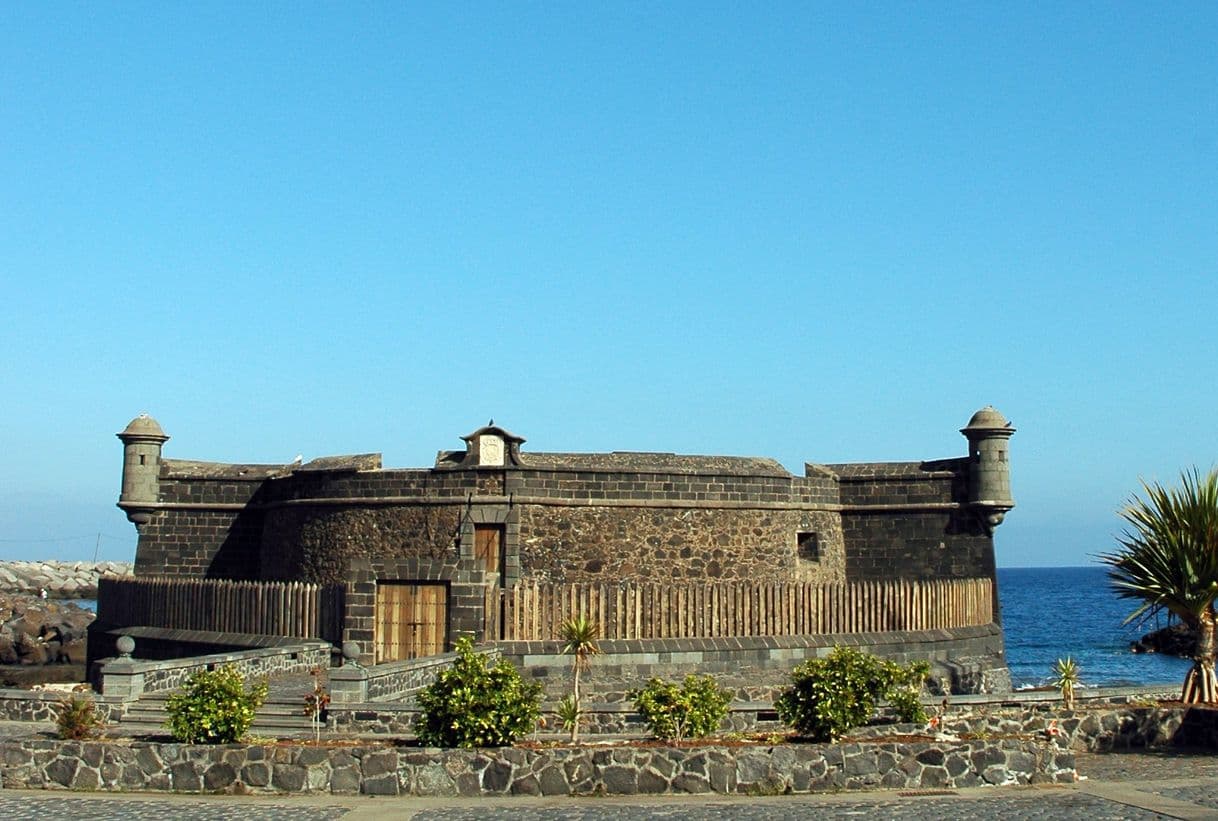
(281, 715)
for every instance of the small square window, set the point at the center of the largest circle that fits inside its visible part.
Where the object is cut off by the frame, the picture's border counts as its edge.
(808, 547)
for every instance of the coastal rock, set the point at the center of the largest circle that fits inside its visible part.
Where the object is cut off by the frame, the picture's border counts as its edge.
(1174, 640)
(34, 631)
(61, 580)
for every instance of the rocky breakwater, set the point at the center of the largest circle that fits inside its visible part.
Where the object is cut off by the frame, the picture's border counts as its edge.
(34, 631)
(60, 580)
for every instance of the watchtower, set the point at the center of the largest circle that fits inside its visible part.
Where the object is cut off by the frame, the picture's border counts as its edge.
(989, 472)
(142, 441)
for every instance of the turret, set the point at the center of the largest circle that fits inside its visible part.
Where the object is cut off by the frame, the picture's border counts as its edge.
(142, 440)
(989, 475)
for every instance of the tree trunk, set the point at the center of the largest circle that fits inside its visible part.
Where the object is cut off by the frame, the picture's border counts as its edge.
(575, 726)
(1200, 685)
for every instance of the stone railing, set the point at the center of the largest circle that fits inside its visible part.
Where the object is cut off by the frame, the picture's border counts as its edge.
(380, 770)
(61, 580)
(42, 705)
(129, 678)
(396, 680)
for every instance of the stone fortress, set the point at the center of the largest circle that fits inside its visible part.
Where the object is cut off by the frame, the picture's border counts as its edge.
(424, 555)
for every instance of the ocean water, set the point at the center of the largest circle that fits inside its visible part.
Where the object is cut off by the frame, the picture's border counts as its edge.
(1052, 612)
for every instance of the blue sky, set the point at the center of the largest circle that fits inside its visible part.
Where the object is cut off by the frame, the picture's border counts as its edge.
(817, 232)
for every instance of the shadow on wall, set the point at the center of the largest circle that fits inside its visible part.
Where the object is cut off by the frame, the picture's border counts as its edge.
(238, 555)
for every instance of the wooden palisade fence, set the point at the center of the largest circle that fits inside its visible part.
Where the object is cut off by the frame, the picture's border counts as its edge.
(294, 609)
(656, 611)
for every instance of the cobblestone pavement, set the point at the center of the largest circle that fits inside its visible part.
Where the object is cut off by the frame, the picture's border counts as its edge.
(1201, 795)
(1116, 786)
(1057, 804)
(31, 806)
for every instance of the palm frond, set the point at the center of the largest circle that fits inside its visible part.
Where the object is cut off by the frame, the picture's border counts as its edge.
(579, 635)
(1168, 556)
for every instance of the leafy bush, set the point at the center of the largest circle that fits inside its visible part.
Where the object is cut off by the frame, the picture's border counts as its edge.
(214, 707)
(570, 715)
(831, 696)
(77, 719)
(692, 710)
(473, 704)
(904, 694)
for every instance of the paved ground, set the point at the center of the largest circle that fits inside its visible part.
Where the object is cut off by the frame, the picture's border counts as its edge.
(1116, 786)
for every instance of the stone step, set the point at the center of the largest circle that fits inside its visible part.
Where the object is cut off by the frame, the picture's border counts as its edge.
(281, 708)
(145, 718)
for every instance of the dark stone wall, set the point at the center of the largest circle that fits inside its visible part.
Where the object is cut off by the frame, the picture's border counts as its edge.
(963, 660)
(196, 541)
(916, 546)
(898, 520)
(656, 544)
(673, 487)
(378, 484)
(653, 526)
(910, 520)
(318, 544)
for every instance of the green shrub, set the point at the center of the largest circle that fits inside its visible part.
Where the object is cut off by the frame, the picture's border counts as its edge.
(570, 715)
(905, 692)
(692, 710)
(831, 696)
(473, 704)
(77, 719)
(214, 707)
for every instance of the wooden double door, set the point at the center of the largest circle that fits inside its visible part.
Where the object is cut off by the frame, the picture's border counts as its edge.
(411, 619)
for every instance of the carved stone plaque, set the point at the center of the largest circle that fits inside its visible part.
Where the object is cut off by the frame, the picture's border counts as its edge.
(490, 450)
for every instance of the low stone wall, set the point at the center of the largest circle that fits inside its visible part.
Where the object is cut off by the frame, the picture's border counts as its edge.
(398, 680)
(61, 580)
(963, 659)
(378, 770)
(1128, 727)
(1095, 727)
(130, 678)
(390, 718)
(40, 705)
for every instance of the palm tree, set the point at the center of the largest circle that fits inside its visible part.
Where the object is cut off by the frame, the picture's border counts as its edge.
(1169, 560)
(578, 635)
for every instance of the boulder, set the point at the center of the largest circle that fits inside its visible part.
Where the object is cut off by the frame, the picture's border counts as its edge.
(42, 632)
(8, 649)
(1174, 640)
